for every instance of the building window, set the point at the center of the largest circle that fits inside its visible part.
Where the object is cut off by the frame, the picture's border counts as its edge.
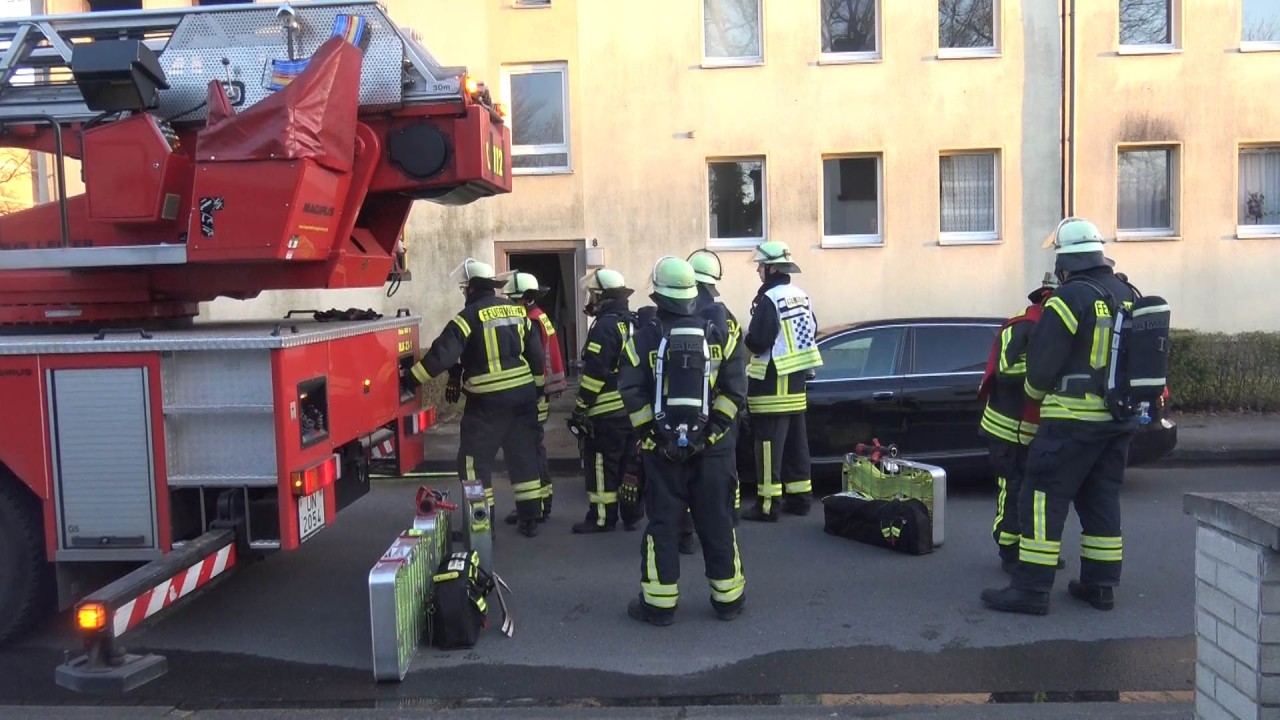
(1145, 192)
(970, 197)
(1260, 24)
(967, 28)
(731, 32)
(1259, 200)
(736, 203)
(539, 118)
(850, 30)
(1145, 23)
(852, 205)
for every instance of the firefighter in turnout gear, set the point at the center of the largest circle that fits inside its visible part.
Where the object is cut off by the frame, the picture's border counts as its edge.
(599, 415)
(1008, 420)
(1080, 449)
(683, 407)
(501, 356)
(782, 340)
(523, 290)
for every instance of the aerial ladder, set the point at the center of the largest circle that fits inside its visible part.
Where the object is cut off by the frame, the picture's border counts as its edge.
(224, 151)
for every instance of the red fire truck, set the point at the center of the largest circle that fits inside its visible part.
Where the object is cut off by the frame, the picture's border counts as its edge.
(225, 151)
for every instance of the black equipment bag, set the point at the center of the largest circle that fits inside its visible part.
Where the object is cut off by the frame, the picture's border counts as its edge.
(458, 608)
(1138, 361)
(901, 525)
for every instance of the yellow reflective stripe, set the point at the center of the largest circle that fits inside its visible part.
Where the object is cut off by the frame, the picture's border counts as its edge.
(420, 373)
(661, 596)
(726, 406)
(492, 353)
(531, 490)
(769, 488)
(483, 385)
(1032, 392)
(798, 486)
(607, 403)
(1005, 338)
(520, 373)
(1044, 546)
(765, 405)
(1106, 543)
(596, 498)
(1101, 345)
(1008, 539)
(463, 325)
(1027, 431)
(1059, 306)
(727, 591)
(642, 416)
(1038, 558)
(1009, 436)
(1088, 553)
(470, 463)
(1038, 518)
(1000, 500)
(593, 347)
(1103, 549)
(1090, 408)
(607, 498)
(591, 384)
(757, 367)
(547, 326)
(802, 360)
(630, 348)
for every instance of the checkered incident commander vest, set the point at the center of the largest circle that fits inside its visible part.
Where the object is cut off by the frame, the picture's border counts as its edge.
(795, 349)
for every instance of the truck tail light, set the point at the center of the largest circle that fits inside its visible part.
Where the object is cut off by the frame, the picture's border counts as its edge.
(419, 422)
(306, 482)
(91, 617)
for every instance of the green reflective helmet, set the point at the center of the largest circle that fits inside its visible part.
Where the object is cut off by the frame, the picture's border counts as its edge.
(777, 254)
(1074, 236)
(602, 280)
(674, 278)
(706, 266)
(474, 272)
(519, 284)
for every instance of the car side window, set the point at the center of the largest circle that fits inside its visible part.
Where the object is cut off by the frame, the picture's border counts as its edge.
(952, 348)
(860, 354)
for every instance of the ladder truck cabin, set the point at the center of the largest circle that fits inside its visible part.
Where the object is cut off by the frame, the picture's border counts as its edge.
(224, 151)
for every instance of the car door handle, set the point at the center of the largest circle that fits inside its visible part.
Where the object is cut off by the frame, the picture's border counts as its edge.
(882, 395)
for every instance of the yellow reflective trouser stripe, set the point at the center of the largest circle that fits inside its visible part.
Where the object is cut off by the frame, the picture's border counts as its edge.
(655, 593)
(1001, 498)
(726, 406)
(798, 486)
(727, 591)
(606, 403)
(420, 373)
(642, 416)
(546, 491)
(531, 490)
(593, 347)
(470, 467)
(769, 488)
(1038, 553)
(737, 495)
(773, 405)
(591, 384)
(1057, 305)
(802, 360)
(1103, 549)
(1038, 518)
(597, 498)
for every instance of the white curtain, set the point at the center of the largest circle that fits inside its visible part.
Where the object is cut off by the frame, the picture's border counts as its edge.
(1259, 173)
(1143, 192)
(968, 193)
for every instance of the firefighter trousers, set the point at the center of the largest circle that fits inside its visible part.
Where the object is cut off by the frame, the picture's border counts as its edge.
(605, 451)
(782, 460)
(728, 445)
(698, 486)
(1072, 462)
(1008, 461)
(544, 468)
(508, 421)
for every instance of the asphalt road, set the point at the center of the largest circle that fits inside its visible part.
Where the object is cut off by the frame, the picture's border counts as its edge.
(824, 616)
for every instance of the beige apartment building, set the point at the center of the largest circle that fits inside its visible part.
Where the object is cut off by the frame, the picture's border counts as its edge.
(914, 154)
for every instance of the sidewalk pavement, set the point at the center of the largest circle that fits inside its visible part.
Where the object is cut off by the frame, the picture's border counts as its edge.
(1202, 440)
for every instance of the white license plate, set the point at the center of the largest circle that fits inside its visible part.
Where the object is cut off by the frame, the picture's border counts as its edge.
(310, 514)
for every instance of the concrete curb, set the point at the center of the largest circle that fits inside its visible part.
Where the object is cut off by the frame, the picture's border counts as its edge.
(1181, 457)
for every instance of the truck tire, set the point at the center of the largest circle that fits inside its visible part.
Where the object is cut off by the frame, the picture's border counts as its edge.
(23, 569)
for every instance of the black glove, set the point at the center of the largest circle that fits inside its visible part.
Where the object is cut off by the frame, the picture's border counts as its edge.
(452, 393)
(409, 379)
(629, 490)
(578, 422)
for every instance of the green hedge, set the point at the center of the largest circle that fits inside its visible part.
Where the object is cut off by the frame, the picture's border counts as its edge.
(1225, 373)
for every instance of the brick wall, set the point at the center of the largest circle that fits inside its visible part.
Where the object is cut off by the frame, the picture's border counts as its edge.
(1237, 628)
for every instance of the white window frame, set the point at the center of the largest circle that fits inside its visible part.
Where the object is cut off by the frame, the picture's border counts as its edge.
(1175, 193)
(1173, 47)
(508, 71)
(849, 58)
(740, 61)
(854, 240)
(530, 4)
(1253, 231)
(746, 243)
(985, 237)
(1255, 45)
(997, 25)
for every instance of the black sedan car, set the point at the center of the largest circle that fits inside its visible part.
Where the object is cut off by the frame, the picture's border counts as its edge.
(913, 383)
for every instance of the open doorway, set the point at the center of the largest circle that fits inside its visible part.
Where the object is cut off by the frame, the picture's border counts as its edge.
(555, 270)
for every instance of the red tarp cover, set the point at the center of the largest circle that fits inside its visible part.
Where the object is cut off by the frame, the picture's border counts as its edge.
(313, 117)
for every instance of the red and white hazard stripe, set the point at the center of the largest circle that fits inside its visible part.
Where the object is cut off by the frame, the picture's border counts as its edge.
(384, 449)
(168, 592)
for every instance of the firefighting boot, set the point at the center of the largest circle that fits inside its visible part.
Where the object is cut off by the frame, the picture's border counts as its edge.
(514, 516)
(757, 513)
(729, 611)
(638, 609)
(1102, 598)
(798, 504)
(1012, 599)
(590, 527)
(528, 528)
